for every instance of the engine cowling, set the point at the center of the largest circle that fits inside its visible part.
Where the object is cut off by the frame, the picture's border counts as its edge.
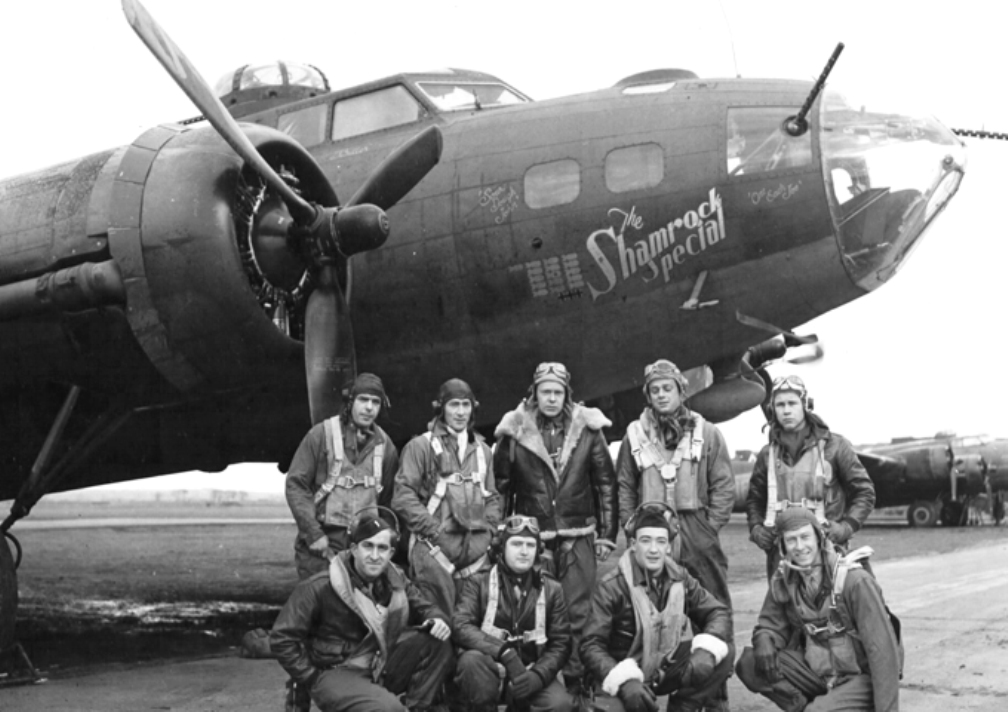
(181, 223)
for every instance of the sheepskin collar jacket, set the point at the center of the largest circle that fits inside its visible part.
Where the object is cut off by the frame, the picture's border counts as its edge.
(572, 496)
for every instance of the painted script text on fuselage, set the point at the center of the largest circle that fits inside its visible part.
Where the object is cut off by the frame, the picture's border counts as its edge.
(658, 251)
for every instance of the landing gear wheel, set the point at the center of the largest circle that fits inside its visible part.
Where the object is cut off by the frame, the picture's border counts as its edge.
(922, 513)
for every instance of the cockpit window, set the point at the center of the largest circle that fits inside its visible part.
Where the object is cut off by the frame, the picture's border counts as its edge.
(757, 143)
(261, 75)
(460, 96)
(378, 110)
(306, 126)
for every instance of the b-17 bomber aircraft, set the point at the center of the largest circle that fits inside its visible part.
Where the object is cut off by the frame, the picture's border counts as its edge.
(194, 298)
(937, 478)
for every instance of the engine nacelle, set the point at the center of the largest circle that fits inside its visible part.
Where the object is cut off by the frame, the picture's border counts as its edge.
(178, 202)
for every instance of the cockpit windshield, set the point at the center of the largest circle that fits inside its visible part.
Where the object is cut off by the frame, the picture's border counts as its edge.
(462, 96)
(889, 174)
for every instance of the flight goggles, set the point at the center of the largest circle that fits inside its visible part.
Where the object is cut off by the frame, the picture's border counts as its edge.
(790, 383)
(662, 365)
(551, 371)
(663, 368)
(519, 522)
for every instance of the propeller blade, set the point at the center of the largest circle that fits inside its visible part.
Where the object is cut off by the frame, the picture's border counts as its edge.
(328, 338)
(196, 88)
(401, 170)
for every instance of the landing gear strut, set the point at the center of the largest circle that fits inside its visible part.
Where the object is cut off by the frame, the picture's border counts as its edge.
(44, 476)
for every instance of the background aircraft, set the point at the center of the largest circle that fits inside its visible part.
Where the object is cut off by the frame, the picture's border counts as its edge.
(936, 478)
(260, 424)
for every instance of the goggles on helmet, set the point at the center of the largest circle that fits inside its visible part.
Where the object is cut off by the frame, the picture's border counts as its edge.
(551, 368)
(790, 383)
(518, 522)
(661, 366)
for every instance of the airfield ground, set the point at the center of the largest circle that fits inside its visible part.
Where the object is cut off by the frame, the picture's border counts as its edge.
(155, 589)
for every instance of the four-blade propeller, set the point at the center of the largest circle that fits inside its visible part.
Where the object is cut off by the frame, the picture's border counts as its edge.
(325, 234)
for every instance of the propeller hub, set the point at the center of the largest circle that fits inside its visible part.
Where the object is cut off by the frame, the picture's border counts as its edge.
(279, 263)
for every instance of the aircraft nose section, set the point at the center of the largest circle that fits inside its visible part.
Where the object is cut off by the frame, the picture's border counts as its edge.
(888, 176)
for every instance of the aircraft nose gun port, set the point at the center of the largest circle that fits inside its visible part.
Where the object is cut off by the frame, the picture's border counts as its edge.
(888, 176)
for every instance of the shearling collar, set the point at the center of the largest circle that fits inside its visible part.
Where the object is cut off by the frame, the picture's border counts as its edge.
(520, 424)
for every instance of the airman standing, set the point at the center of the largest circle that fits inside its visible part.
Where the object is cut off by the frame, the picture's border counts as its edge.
(344, 466)
(805, 465)
(445, 493)
(672, 455)
(552, 463)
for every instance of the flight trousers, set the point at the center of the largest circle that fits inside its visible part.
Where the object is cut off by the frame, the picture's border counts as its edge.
(572, 561)
(415, 670)
(477, 688)
(801, 689)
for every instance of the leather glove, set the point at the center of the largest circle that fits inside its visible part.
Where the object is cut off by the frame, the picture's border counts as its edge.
(766, 659)
(636, 697)
(512, 663)
(525, 686)
(839, 532)
(762, 537)
(699, 668)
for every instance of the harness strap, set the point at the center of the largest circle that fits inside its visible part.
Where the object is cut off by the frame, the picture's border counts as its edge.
(455, 478)
(537, 635)
(647, 454)
(817, 505)
(334, 438)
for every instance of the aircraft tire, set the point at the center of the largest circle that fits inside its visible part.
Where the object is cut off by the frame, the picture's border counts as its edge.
(922, 513)
(8, 595)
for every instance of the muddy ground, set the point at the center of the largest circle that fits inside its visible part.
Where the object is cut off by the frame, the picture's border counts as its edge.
(98, 595)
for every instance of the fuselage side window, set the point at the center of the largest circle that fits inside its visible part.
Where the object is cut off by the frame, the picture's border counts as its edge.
(634, 167)
(757, 143)
(306, 126)
(553, 183)
(377, 110)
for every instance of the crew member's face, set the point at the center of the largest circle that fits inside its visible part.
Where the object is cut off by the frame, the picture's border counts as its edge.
(802, 546)
(519, 553)
(664, 396)
(365, 409)
(650, 547)
(457, 413)
(789, 411)
(372, 556)
(550, 396)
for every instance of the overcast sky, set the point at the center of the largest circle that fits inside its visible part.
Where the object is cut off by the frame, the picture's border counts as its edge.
(923, 353)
